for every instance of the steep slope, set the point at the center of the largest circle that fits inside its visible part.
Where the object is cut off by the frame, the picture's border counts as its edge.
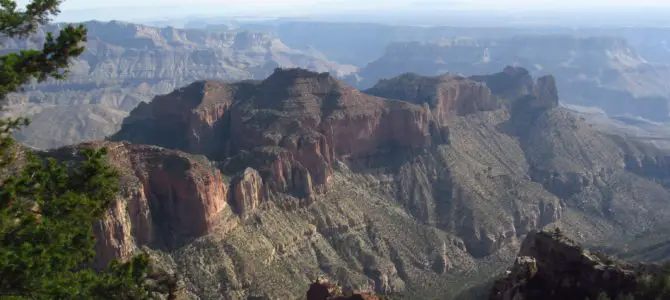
(653, 243)
(424, 196)
(596, 71)
(589, 171)
(126, 64)
(655, 133)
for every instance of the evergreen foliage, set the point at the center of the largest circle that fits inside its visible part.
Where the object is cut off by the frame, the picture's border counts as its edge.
(48, 208)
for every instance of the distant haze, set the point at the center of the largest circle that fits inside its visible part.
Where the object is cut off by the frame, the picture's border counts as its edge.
(381, 10)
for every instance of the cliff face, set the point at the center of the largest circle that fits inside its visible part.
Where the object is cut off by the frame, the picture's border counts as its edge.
(125, 64)
(368, 191)
(168, 198)
(444, 95)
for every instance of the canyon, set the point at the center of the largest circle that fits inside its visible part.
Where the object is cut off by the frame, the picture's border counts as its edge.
(420, 186)
(621, 74)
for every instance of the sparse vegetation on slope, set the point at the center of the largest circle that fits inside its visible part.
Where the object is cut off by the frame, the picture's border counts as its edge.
(426, 195)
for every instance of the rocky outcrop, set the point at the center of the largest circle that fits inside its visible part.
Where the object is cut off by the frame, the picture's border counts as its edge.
(126, 225)
(551, 266)
(300, 120)
(445, 95)
(323, 290)
(292, 126)
(521, 91)
(248, 192)
(449, 95)
(542, 215)
(645, 160)
(188, 118)
(546, 93)
(168, 198)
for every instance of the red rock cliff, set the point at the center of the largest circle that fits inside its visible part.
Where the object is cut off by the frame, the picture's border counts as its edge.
(311, 117)
(167, 197)
(446, 95)
(190, 118)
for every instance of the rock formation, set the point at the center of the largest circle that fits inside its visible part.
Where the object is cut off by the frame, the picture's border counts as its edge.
(299, 175)
(168, 198)
(323, 290)
(444, 95)
(301, 121)
(248, 192)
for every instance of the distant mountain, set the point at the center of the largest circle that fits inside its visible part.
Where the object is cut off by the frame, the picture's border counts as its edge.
(421, 187)
(652, 43)
(126, 64)
(603, 72)
(361, 43)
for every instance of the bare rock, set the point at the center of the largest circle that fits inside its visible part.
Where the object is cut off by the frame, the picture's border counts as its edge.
(445, 95)
(550, 266)
(168, 198)
(247, 192)
(321, 289)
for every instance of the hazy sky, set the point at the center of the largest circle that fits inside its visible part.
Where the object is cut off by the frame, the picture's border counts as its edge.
(288, 5)
(133, 9)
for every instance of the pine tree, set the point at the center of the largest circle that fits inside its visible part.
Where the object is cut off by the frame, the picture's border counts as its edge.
(48, 208)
